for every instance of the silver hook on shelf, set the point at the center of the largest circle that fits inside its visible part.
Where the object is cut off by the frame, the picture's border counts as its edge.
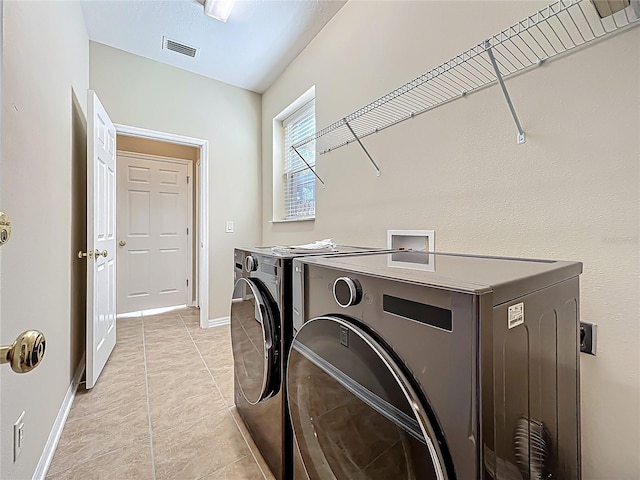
(308, 166)
(361, 145)
(521, 135)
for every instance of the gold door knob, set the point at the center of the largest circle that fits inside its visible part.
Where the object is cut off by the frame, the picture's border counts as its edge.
(5, 228)
(103, 253)
(122, 243)
(88, 254)
(25, 353)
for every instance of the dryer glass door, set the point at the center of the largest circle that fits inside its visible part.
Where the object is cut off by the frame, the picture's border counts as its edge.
(355, 414)
(255, 340)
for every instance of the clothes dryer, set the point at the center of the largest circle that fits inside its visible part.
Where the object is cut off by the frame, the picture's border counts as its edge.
(412, 365)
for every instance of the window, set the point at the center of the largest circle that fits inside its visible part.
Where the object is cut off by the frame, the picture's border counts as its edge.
(298, 181)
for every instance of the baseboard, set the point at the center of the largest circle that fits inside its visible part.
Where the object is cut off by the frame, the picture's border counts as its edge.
(218, 322)
(58, 426)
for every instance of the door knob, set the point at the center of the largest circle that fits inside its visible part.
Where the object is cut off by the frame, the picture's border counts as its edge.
(88, 254)
(103, 253)
(25, 353)
(122, 243)
(5, 228)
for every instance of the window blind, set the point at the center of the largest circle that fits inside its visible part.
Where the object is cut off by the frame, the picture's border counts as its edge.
(299, 182)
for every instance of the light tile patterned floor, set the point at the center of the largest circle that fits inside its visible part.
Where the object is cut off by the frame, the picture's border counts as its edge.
(162, 409)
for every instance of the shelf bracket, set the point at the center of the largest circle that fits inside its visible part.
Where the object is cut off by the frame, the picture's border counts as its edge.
(308, 166)
(521, 135)
(362, 146)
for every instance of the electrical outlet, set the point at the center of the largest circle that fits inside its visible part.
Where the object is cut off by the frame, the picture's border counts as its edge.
(228, 227)
(18, 437)
(588, 337)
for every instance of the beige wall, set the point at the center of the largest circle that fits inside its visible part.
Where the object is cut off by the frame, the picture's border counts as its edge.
(571, 192)
(142, 93)
(45, 79)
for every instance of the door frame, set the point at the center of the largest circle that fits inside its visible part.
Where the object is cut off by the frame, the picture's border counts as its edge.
(191, 296)
(202, 207)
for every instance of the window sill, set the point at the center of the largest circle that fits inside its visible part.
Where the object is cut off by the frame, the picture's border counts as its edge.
(306, 219)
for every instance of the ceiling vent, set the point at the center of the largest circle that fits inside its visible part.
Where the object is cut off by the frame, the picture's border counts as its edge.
(181, 48)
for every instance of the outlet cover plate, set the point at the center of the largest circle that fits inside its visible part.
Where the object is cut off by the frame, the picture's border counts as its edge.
(588, 337)
(18, 437)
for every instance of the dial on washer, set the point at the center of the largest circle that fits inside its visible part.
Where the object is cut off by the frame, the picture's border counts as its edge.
(250, 264)
(347, 291)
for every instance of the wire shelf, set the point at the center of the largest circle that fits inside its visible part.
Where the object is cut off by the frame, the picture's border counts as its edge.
(554, 30)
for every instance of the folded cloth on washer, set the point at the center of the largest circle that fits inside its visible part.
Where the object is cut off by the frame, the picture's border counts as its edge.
(319, 246)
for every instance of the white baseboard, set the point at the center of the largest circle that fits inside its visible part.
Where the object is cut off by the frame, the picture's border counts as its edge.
(58, 426)
(218, 322)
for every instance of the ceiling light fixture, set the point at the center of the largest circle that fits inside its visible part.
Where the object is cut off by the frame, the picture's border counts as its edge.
(218, 9)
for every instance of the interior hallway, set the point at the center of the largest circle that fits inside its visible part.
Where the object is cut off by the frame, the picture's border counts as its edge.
(162, 409)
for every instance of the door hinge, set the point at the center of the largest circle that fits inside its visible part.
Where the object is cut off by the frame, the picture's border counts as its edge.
(187, 282)
(187, 230)
(187, 179)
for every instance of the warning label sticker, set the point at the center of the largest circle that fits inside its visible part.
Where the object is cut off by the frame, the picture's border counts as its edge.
(516, 315)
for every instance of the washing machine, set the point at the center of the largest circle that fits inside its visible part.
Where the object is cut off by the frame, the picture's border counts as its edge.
(261, 333)
(413, 365)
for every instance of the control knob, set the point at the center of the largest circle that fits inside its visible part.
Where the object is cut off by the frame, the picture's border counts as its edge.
(250, 264)
(347, 291)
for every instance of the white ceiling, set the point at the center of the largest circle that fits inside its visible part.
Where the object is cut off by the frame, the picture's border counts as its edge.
(250, 50)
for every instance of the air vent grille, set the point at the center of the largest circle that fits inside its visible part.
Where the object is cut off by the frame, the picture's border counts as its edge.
(181, 48)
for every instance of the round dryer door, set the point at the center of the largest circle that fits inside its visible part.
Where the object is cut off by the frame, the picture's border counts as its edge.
(255, 338)
(355, 414)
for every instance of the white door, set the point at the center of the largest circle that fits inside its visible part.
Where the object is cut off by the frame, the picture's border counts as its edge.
(154, 259)
(101, 238)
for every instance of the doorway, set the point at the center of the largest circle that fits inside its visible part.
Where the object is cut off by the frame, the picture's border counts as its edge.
(148, 150)
(155, 228)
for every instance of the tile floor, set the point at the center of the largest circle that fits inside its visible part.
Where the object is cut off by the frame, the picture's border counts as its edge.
(162, 409)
